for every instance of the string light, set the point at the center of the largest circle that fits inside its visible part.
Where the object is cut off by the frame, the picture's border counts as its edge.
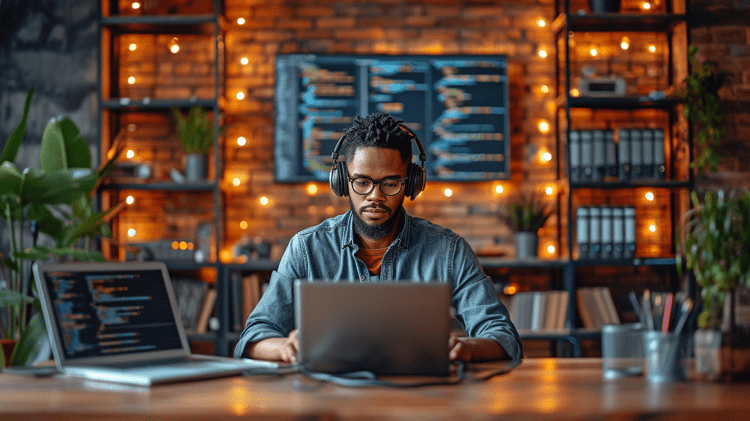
(264, 201)
(312, 189)
(241, 21)
(131, 80)
(545, 156)
(549, 190)
(646, 6)
(544, 89)
(543, 53)
(650, 196)
(130, 154)
(236, 182)
(243, 225)
(652, 48)
(241, 141)
(448, 192)
(543, 126)
(551, 249)
(173, 46)
(593, 52)
(499, 189)
(652, 228)
(131, 232)
(625, 43)
(130, 200)
(575, 92)
(132, 47)
(136, 5)
(541, 23)
(240, 95)
(244, 60)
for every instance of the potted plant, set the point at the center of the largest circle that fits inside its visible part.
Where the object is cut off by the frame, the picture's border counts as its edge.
(525, 216)
(699, 97)
(196, 134)
(715, 243)
(54, 201)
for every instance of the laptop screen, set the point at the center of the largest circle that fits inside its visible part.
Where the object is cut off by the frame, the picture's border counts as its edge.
(109, 312)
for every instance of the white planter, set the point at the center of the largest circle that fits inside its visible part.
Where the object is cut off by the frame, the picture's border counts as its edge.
(527, 244)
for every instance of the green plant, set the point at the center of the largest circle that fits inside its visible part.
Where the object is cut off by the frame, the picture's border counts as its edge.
(699, 96)
(196, 131)
(527, 214)
(715, 242)
(55, 200)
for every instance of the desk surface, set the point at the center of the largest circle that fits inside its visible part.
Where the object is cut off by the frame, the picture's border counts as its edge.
(539, 388)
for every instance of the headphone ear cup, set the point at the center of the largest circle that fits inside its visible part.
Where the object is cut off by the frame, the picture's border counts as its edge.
(337, 179)
(415, 182)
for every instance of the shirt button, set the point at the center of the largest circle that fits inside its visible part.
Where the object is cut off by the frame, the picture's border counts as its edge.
(362, 278)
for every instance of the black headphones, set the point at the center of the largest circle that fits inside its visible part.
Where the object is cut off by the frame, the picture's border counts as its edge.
(416, 177)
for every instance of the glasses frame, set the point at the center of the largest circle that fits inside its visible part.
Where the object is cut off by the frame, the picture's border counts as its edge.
(377, 183)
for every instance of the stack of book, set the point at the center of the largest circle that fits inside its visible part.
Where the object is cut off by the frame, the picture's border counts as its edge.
(605, 232)
(539, 310)
(596, 307)
(636, 154)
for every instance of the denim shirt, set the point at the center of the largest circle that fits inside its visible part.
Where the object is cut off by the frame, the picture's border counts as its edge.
(422, 252)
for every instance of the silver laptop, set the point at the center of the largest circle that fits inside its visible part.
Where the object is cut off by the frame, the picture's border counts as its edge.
(383, 328)
(119, 322)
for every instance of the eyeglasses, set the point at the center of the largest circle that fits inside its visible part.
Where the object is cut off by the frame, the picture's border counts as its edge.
(389, 186)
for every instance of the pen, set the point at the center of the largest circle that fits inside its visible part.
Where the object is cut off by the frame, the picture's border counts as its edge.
(667, 313)
(636, 306)
(647, 314)
(687, 308)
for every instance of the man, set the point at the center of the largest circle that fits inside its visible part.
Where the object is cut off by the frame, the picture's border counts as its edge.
(376, 241)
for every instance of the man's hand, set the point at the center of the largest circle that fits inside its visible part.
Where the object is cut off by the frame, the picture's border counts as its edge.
(276, 349)
(474, 349)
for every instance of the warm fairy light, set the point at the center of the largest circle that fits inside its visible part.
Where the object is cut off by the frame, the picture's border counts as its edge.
(241, 141)
(625, 43)
(131, 232)
(551, 249)
(240, 21)
(244, 60)
(240, 95)
(652, 228)
(173, 46)
(650, 196)
(130, 154)
(130, 200)
(264, 201)
(190, 245)
(545, 89)
(136, 5)
(543, 126)
(541, 23)
(236, 182)
(448, 192)
(545, 156)
(499, 189)
(542, 53)
(646, 6)
(175, 245)
(652, 48)
(183, 245)
(593, 52)
(510, 289)
(549, 190)
(575, 92)
(132, 47)
(312, 189)
(243, 225)
(131, 80)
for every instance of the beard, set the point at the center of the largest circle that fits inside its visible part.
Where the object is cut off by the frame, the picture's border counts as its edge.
(375, 232)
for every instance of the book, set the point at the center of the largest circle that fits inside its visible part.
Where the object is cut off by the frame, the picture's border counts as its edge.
(574, 149)
(585, 310)
(538, 310)
(251, 292)
(610, 150)
(618, 232)
(623, 154)
(607, 244)
(610, 315)
(647, 139)
(595, 233)
(201, 325)
(189, 294)
(629, 232)
(660, 166)
(587, 155)
(582, 232)
(636, 154)
(599, 155)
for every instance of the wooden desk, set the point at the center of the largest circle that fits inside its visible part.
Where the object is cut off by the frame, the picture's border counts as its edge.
(548, 388)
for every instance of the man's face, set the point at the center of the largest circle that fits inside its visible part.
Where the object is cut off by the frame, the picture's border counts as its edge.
(375, 213)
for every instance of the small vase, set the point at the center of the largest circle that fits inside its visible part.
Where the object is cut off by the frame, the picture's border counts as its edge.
(707, 352)
(8, 346)
(195, 167)
(526, 245)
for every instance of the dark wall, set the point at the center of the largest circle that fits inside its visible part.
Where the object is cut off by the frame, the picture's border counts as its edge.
(52, 47)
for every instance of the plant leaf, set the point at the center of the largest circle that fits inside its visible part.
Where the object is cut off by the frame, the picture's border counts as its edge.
(14, 141)
(52, 153)
(77, 151)
(27, 347)
(61, 187)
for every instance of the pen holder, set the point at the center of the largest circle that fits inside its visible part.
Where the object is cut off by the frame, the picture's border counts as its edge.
(666, 356)
(622, 350)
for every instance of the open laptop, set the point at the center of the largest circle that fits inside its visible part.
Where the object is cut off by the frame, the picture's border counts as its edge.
(119, 322)
(383, 328)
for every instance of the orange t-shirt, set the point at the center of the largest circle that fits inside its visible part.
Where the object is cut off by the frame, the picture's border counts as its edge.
(372, 258)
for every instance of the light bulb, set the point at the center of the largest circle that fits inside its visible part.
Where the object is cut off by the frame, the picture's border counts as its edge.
(625, 43)
(652, 48)
(130, 153)
(551, 249)
(652, 228)
(448, 192)
(131, 80)
(173, 46)
(499, 189)
(650, 196)
(129, 200)
(264, 201)
(132, 47)
(240, 95)
(541, 23)
(312, 189)
(244, 60)
(543, 126)
(543, 53)
(131, 232)
(545, 89)
(593, 52)
(240, 21)
(241, 141)
(236, 182)
(646, 6)
(136, 5)
(243, 225)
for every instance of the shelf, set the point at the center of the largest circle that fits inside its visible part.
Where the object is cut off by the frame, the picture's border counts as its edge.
(156, 104)
(604, 185)
(504, 262)
(657, 261)
(156, 24)
(165, 186)
(253, 265)
(618, 22)
(616, 103)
